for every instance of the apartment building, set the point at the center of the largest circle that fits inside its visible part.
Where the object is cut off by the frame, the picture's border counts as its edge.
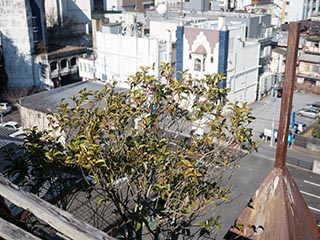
(216, 47)
(257, 28)
(120, 50)
(129, 5)
(22, 33)
(198, 44)
(80, 12)
(308, 70)
(296, 10)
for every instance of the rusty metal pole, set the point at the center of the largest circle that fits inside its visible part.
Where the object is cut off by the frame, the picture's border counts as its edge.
(286, 103)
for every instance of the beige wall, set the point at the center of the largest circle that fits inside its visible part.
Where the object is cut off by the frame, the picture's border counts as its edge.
(31, 118)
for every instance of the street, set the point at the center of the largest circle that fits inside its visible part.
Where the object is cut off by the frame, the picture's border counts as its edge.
(267, 111)
(307, 182)
(255, 166)
(253, 169)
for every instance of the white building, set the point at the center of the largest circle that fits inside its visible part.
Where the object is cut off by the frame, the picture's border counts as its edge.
(80, 11)
(295, 10)
(22, 31)
(118, 56)
(204, 52)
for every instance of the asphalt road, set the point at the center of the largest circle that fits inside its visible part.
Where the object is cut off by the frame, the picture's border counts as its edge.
(309, 185)
(267, 111)
(253, 169)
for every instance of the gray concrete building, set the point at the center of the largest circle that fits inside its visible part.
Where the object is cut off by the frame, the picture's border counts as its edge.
(22, 36)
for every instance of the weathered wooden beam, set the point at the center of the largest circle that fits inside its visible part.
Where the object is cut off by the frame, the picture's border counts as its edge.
(59, 219)
(10, 231)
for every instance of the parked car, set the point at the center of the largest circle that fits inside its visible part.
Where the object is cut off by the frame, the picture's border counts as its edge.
(315, 105)
(11, 124)
(308, 112)
(5, 108)
(299, 127)
(18, 130)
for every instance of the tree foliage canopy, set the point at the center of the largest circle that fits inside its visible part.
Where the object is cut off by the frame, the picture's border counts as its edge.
(316, 129)
(143, 149)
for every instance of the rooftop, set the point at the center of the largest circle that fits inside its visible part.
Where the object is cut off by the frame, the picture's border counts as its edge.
(280, 51)
(65, 51)
(50, 99)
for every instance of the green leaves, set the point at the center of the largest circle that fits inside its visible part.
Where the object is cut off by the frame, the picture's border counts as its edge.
(148, 135)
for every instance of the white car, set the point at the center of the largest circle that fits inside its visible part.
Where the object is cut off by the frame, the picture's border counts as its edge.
(299, 127)
(308, 112)
(13, 126)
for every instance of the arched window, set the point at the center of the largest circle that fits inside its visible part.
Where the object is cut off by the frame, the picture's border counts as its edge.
(63, 63)
(73, 61)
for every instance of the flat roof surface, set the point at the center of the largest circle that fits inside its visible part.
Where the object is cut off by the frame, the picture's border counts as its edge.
(50, 99)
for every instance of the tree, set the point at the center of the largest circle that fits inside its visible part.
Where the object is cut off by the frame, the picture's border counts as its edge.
(142, 150)
(59, 31)
(3, 74)
(316, 129)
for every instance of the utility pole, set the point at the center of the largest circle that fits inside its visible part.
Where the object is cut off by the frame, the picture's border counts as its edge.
(286, 103)
(181, 8)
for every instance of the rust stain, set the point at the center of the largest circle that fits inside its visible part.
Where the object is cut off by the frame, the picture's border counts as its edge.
(276, 211)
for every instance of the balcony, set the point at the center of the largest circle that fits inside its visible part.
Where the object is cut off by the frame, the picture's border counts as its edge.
(312, 50)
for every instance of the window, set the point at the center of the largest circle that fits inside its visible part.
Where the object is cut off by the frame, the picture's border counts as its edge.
(203, 65)
(268, 32)
(305, 67)
(287, 2)
(197, 64)
(43, 70)
(211, 59)
(190, 57)
(315, 68)
(73, 61)
(53, 66)
(98, 5)
(63, 64)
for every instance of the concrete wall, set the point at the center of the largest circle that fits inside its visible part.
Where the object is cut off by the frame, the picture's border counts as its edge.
(17, 41)
(31, 118)
(255, 25)
(199, 5)
(120, 56)
(158, 30)
(295, 10)
(79, 10)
